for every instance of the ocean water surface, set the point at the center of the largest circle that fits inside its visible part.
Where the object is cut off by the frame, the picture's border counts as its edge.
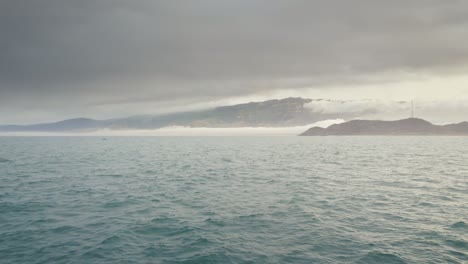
(234, 200)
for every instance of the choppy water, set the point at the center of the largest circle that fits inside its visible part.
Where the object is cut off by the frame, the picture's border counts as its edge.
(234, 200)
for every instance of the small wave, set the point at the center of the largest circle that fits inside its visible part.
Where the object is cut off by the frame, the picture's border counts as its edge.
(226, 160)
(215, 222)
(44, 221)
(458, 243)
(200, 242)
(210, 258)
(115, 204)
(427, 204)
(458, 254)
(2, 160)
(65, 229)
(161, 225)
(110, 240)
(378, 257)
(250, 216)
(459, 225)
(111, 175)
(182, 230)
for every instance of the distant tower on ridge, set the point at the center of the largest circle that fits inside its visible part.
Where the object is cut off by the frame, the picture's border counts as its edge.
(412, 109)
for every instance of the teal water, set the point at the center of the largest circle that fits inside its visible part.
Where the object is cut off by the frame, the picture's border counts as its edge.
(234, 200)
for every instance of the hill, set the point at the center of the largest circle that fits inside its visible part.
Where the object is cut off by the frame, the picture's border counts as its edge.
(409, 126)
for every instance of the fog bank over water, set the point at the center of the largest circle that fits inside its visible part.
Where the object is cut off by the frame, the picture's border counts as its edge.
(189, 131)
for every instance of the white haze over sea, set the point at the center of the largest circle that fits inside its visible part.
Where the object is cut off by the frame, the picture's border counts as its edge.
(189, 131)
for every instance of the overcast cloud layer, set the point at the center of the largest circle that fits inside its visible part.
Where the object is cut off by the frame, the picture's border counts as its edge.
(106, 58)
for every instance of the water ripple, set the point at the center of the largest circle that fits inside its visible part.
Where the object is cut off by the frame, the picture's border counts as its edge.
(234, 200)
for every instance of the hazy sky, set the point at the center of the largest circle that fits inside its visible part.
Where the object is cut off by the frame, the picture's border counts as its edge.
(108, 58)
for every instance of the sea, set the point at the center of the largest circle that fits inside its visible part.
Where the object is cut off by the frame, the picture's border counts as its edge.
(257, 199)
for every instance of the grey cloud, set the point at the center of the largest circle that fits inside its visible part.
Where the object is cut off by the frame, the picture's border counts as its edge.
(115, 50)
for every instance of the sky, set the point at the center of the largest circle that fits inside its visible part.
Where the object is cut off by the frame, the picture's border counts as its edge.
(111, 58)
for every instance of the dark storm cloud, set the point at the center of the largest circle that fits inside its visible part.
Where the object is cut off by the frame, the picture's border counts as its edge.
(113, 51)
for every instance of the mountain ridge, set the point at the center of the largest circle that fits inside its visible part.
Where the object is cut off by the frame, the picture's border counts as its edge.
(287, 112)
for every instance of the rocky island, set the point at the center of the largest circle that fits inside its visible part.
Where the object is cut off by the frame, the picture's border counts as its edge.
(409, 126)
